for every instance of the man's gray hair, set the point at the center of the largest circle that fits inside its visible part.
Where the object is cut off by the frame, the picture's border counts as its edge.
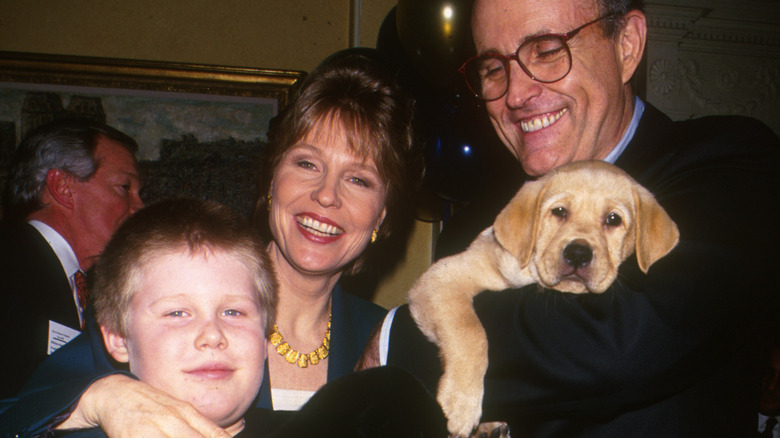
(66, 144)
(619, 9)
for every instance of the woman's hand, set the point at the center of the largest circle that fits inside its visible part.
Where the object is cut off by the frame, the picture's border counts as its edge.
(124, 407)
(371, 354)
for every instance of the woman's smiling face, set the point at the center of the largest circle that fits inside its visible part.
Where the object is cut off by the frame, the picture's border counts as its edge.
(325, 202)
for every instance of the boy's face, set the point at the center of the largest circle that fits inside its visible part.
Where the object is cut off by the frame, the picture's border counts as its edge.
(195, 331)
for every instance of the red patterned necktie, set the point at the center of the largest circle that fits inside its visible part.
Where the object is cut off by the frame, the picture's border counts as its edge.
(81, 288)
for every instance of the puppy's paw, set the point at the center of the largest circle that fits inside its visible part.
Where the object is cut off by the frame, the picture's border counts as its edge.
(461, 403)
(496, 429)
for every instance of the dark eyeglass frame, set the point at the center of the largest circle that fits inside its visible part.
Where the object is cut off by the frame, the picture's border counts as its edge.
(564, 37)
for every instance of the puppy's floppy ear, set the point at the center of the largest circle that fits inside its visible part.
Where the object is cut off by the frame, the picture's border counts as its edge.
(515, 227)
(656, 232)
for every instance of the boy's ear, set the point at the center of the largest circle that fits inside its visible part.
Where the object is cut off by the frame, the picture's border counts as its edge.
(116, 345)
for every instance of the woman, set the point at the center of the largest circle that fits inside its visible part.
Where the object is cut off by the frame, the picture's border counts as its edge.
(335, 177)
(335, 184)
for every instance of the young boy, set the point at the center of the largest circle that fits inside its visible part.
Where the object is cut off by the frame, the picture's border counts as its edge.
(184, 294)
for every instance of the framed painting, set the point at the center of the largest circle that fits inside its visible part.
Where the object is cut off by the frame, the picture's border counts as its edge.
(200, 128)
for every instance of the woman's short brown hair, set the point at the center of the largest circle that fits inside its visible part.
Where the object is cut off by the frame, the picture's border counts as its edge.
(354, 88)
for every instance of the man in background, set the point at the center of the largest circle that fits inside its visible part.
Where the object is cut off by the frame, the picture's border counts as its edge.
(72, 183)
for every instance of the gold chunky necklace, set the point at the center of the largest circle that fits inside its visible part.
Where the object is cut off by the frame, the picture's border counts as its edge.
(295, 357)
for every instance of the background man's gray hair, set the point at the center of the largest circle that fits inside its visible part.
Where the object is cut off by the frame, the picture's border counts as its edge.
(68, 145)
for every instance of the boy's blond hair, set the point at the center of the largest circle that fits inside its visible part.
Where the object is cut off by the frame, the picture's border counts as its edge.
(195, 226)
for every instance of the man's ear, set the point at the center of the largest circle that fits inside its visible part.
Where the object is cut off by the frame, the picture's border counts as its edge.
(59, 186)
(116, 345)
(631, 43)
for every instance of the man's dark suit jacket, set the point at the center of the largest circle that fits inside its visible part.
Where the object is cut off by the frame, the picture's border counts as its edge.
(34, 290)
(667, 354)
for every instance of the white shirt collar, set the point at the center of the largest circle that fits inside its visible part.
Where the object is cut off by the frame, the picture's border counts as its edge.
(61, 247)
(762, 423)
(639, 108)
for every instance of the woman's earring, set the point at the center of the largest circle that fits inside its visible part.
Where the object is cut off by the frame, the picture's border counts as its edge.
(374, 235)
(268, 204)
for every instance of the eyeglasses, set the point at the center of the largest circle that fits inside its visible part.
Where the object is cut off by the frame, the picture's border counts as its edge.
(545, 58)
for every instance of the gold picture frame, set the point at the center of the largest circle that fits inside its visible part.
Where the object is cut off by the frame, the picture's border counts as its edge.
(149, 75)
(200, 128)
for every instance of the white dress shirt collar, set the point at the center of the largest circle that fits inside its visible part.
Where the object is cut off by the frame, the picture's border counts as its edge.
(61, 247)
(762, 423)
(639, 108)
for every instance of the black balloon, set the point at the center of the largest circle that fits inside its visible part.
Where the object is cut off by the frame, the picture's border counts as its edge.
(388, 43)
(454, 148)
(456, 137)
(436, 37)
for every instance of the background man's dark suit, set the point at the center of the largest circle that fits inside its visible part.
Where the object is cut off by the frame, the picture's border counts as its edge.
(668, 354)
(32, 279)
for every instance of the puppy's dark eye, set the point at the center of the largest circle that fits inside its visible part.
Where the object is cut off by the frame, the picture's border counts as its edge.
(559, 212)
(613, 220)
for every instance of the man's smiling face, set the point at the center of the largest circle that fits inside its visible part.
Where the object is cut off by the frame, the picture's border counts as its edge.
(581, 116)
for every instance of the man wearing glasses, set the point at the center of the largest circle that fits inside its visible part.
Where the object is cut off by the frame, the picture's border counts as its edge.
(667, 354)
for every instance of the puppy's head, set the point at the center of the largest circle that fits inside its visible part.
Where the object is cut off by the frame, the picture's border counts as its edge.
(575, 225)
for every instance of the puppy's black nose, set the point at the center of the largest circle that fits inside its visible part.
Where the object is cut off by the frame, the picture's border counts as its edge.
(577, 254)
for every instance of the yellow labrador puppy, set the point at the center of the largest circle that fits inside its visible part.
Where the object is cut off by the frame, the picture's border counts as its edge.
(568, 231)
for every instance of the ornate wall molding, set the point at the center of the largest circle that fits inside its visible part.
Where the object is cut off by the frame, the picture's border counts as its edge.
(725, 30)
(718, 57)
